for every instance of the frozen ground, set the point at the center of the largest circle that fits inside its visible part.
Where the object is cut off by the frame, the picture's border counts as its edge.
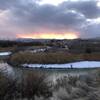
(82, 64)
(5, 53)
(6, 69)
(53, 74)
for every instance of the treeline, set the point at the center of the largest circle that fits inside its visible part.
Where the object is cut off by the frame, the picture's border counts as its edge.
(8, 43)
(84, 46)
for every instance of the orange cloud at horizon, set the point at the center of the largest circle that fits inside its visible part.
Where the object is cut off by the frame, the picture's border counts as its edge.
(49, 36)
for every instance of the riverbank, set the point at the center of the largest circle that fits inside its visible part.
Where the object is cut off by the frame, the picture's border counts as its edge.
(58, 85)
(20, 58)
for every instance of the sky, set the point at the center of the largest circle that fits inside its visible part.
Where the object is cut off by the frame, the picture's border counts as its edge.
(49, 19)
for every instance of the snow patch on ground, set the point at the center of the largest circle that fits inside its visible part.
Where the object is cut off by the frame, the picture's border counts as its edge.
(5, 53)
(6, 69)
(82, 64)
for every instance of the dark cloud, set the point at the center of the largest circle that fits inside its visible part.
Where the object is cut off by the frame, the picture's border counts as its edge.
(90, 31)
(6, 4)
(48, 16)
(88, 8)
(29, 16)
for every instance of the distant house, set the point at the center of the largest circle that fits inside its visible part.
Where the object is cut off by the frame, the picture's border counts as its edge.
(52, 46)
(66, 47)
(58, 44)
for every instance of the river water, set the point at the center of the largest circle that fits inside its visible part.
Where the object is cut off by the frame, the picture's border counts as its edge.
(14, 72)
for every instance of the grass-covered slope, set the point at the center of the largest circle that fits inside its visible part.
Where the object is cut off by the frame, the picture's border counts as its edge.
(49, 57)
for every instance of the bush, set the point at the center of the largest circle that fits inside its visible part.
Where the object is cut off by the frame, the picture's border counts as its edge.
(30, 85)
(34, 84)
(8, 88)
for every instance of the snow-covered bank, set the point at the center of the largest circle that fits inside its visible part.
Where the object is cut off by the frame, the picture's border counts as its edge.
(6, 69)
(5, 53)
(82, 64)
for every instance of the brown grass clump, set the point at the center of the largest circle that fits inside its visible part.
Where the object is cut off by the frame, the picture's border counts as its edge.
(92, 56)
(29, 85)
(43, 58)
(2, 49)
(8, 88)
(49, 57)
(35, 84)
(77, 88)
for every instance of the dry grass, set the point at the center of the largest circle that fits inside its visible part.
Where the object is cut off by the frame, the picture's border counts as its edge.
(43, 58)
(8, 88)
(84, 87)
(31, 84)
(3, 49)
(92, 56)
(50, 57)
(35, 84)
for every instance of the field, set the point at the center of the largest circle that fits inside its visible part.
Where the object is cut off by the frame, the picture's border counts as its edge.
(51, 58)
(18, 83)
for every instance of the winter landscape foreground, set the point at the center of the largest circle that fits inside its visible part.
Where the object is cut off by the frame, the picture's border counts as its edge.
(49, 71)
(39, 84)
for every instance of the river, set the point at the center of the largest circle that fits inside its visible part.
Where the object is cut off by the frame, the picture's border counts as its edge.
(53, 74)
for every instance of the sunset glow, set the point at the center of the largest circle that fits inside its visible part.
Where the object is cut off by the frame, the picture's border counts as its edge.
(49, 36)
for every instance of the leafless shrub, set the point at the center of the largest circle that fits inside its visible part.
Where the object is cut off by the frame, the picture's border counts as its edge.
(8, 88)
(31, 84)
(34, 83)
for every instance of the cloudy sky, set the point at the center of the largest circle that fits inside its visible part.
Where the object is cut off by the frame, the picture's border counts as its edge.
(63, 19)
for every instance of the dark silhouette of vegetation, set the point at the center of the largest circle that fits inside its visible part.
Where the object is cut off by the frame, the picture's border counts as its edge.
(88, 51)
(8, 88)
(34, 84)
(8, 43)
(29, 85)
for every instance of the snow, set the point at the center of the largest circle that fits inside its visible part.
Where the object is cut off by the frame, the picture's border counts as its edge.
(5, 53)
(38, 50)
(5, 68)
(81, 64)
